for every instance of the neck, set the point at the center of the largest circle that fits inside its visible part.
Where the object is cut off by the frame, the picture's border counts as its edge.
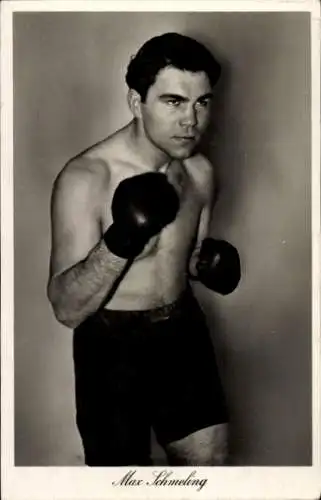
(144, 150)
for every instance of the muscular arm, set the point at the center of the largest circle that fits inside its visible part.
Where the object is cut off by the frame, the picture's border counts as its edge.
(82, 270)
(207, 187)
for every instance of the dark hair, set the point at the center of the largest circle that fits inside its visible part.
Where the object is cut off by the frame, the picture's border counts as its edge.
(170, 49)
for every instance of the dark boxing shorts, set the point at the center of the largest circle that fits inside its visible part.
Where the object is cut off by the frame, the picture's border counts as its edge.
(137, 370)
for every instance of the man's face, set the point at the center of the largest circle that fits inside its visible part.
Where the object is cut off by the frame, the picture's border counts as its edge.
(177, 111)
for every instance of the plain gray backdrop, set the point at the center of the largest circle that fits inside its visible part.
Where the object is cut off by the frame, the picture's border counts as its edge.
(69, 92)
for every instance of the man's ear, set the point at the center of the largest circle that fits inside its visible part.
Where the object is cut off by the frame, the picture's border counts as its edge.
(134, 102)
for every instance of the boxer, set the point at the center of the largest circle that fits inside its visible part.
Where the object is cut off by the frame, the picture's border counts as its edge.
(130, 229)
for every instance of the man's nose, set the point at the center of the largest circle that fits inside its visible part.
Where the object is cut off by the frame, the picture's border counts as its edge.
(189, 118)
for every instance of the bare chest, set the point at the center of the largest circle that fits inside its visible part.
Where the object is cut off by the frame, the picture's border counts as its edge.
(158, 276)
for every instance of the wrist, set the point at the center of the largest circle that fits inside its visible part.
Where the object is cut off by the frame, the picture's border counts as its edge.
(193, 266)
(120, 243)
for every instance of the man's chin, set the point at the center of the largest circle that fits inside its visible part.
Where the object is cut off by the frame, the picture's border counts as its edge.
(183, 154)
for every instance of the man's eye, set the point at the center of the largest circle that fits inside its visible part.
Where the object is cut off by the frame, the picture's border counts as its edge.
(204, 103)
(173, 102)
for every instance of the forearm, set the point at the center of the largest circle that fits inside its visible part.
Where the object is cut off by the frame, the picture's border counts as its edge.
(80, 290)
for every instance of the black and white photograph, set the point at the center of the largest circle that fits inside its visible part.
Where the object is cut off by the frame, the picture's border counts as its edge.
(160, 253)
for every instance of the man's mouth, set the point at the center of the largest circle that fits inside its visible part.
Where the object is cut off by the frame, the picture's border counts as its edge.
(185, 138)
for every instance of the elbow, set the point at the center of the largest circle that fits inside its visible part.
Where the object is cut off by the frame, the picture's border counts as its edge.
(66, 319)
(62, 313)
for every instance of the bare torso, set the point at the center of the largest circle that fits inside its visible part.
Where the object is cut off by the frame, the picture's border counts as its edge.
(159, 275)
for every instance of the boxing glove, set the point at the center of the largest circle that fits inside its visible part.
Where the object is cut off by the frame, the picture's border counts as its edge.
(218, 266)
(142, 206)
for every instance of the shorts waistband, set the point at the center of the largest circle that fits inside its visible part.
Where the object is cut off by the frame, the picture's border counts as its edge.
(151, 315)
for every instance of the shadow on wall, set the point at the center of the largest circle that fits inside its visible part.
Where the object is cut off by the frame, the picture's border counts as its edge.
(211, 139)
(212, 148)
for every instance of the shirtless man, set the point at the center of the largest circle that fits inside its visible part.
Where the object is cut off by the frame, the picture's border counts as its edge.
(130, 220)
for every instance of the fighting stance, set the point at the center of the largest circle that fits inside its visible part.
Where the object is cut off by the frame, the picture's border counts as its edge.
(130, 227)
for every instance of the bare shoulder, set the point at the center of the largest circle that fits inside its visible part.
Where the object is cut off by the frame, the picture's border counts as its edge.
(203, 174)
(84, 177)
(94, 168)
